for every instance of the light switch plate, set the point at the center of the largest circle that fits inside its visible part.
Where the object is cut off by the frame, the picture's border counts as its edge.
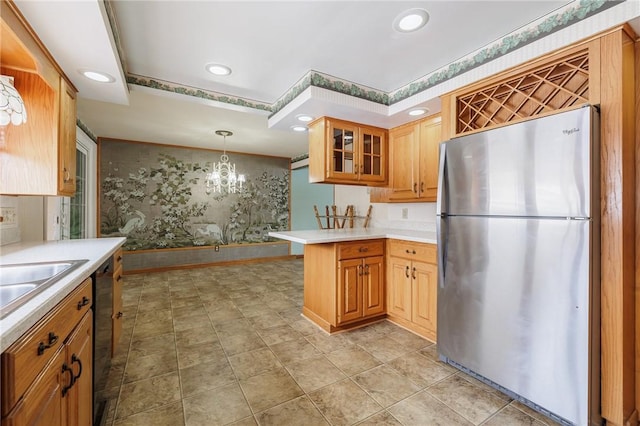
(405, 213)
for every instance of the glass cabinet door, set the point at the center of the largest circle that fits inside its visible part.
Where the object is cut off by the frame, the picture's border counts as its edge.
(343, 152)
(372, 158)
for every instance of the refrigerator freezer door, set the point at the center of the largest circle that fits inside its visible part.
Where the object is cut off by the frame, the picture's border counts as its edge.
(539, 168)
(513, 306)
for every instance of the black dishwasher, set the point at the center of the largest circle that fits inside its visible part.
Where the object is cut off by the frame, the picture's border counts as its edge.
(102, 324)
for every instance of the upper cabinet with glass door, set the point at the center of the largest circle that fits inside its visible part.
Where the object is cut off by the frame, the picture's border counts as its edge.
(347, 153)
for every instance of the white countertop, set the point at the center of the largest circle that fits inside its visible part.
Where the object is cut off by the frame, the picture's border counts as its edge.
(321, 236)
(96, 250)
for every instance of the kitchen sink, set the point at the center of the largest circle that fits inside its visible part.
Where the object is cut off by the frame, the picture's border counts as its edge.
(21, 281)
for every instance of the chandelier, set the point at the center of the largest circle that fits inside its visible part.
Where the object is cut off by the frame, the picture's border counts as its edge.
(12, 108)
(223, 176)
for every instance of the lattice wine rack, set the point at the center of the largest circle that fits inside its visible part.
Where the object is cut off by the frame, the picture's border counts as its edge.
(553, 86)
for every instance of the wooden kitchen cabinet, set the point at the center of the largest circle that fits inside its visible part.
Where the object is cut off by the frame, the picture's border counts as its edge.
(412, 284)
(117, 311)
(347, 153)
(47, 374)
(344, 283)
(39, 156)
(413, 162)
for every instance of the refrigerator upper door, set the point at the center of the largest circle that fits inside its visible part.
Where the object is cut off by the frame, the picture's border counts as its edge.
(513, 306)
(539, 168)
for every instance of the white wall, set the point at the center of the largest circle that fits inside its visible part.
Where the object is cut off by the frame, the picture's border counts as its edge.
(419, 216)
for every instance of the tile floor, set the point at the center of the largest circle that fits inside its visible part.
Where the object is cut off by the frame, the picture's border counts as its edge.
(227, 345)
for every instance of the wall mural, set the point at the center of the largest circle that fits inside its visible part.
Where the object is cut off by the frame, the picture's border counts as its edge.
(155, 196)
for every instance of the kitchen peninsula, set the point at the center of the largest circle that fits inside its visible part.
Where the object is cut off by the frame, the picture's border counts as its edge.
(354, 277)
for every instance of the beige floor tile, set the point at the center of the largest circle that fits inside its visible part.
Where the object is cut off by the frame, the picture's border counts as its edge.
(382, 348)
(297, 412)
(275, 335)
(353, 360)
(385, 385)
(326, 343)
(409, 340)
(186, 323)
(153, 328)
(199, 353)
(148, 305)
(147, 394)
(241, 342)
(152, 345)
(168, 415)
(510, 416)
(269, 389)
(205, 376)
(144, 367)
(383, 418)
(222, 314)
(305, 327)
(221, 406)
(314, 373)
(249, 364)
(485, 387)
(420, 369)
(189, 310)
(294, 350)
(266, 321)
(469, 400)
(423, 409)
(344, 403)
(153, 316)
(204, 333)
(536, 415)
(256, 310)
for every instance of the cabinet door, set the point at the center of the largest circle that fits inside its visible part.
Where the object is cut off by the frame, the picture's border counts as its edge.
(399, 288)
(372, 167)
(430, 137)
(117, 315)
(350, 290)
(43, 403)
(403, 148)
(80, 360)
(342, 161)
(424, 297)
(67, 140)
(373, 286)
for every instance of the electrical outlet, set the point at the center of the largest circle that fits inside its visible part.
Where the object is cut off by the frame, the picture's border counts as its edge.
(405, 213)
(216, 248)
(8, 216)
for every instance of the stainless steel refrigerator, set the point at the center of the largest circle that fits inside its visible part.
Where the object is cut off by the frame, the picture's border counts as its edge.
(518, 261)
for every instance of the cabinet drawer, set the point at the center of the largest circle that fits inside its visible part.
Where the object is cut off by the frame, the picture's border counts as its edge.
(413, 251)
(360, 249)
(24, 360)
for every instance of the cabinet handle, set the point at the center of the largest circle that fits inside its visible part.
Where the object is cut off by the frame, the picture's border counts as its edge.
(406, 272)
(410, 251)
(413, 273)
(359, 270)
(415, 187)
(66, 175)
(52, 341)
(363, 249)
(421, 186)
(66, 368)
(355, 168)
(119, 278)
(74, 358)
(119, 315)
(84, 302)
(362, 168)
(366, 269)
(119, 259)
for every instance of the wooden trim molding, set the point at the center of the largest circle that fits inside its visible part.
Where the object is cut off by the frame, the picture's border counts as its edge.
(637, 334)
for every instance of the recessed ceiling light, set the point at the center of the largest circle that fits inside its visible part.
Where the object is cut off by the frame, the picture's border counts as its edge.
(299, 128)
(100, 77)
(411, 20)
(418, 111)
(218, 69)
(304, 118)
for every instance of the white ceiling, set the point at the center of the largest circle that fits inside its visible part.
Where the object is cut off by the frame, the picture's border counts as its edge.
(269, 45)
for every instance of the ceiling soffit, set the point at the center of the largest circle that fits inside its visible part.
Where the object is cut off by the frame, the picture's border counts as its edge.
(562, 18)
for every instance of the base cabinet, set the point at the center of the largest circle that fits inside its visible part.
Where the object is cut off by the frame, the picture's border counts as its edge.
(47, 374)
(344, 284)
(412, 286)
(117, 314)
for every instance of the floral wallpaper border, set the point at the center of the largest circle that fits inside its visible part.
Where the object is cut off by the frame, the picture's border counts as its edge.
(86, 130)
(564, 17)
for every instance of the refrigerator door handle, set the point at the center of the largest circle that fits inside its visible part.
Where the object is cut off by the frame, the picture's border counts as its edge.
(440, 200)
(441, 231)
